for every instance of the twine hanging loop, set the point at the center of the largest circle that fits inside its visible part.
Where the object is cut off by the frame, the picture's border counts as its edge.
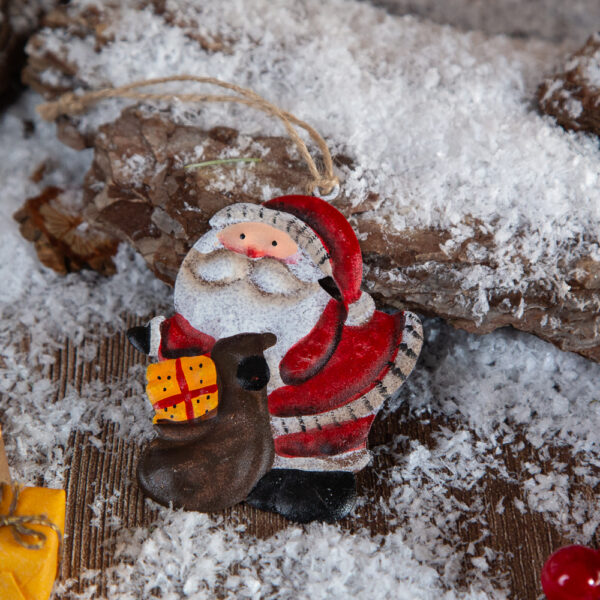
(73, 104)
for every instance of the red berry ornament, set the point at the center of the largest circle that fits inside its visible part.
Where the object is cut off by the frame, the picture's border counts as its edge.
(572, 573)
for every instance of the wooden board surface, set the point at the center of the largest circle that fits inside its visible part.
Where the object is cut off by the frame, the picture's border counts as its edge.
(523, 540)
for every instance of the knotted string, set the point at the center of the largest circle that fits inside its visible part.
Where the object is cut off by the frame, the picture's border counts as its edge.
(73, 104)
(20, 524)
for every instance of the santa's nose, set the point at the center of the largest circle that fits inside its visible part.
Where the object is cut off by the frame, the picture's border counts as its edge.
(254, 252)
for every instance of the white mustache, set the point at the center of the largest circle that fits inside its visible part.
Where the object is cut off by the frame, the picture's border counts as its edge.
(223, 267)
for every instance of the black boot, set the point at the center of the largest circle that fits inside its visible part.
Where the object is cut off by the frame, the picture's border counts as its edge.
(304, 496)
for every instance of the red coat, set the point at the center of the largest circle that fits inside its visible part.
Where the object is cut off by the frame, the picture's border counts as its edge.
(335, 383)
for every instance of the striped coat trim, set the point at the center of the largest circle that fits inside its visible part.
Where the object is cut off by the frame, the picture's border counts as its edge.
(353, 461)
(367, 405)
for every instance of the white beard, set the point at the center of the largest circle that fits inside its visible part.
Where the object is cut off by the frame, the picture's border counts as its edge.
(222, 293)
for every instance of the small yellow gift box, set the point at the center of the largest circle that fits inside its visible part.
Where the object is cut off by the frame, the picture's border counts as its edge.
(183, 389)
(27, 573)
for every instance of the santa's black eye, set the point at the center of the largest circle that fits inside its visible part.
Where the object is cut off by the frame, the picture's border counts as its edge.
(242, 236)
(274, 243)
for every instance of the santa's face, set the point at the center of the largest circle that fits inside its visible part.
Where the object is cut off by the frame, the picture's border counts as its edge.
(229, 284)
(257, 240)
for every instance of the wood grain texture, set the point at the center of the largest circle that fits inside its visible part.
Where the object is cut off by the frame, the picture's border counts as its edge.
(523, 541)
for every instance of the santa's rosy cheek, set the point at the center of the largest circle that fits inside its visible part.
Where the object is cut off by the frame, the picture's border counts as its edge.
(293, 259)
(257, 240)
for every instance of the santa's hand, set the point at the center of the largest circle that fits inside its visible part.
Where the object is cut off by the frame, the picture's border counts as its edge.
(146, 338)
(253, 373)
(139, 337)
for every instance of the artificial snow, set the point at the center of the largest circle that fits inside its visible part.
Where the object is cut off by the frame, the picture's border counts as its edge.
(549, 19)
(440, 124)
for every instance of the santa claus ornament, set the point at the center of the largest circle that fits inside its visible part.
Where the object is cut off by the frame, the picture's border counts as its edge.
(275, 363)
(279, 285)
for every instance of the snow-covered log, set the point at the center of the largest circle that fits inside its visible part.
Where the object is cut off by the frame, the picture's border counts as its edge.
(468, 204)
(572, 96)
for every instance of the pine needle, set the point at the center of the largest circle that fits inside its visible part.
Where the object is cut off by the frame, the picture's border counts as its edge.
(221, 161)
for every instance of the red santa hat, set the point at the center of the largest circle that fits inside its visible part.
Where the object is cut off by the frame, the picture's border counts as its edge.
(325, 235)
(336, 235)
(317, 227)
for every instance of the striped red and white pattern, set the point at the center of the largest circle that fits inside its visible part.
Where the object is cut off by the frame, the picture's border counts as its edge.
(336, 439)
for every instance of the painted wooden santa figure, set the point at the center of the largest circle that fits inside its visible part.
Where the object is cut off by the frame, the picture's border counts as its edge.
(293, 267)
